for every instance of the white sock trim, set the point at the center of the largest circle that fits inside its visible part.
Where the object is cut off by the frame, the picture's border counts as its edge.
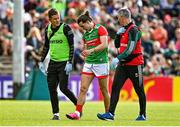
(56, 114)
(78, 113)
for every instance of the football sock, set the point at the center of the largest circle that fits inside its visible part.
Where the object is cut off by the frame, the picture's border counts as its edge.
(79, 108)
(56, 114)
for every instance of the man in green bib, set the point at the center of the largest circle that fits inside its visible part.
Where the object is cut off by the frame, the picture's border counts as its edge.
(59, 40)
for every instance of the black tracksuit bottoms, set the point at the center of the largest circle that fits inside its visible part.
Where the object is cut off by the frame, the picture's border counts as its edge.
(56, 75)
(135, 74)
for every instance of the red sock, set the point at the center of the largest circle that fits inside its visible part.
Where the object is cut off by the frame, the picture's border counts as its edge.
(79, 108)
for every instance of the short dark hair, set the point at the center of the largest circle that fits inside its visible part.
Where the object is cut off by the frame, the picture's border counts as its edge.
(52, 12)
(84, 18)
(125, 12)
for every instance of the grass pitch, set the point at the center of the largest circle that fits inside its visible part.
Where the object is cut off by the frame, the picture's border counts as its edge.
(38, 113)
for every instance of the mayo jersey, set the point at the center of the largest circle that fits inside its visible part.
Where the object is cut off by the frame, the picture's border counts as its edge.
(91, 40)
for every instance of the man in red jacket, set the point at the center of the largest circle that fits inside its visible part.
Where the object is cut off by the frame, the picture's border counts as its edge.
(128, 64)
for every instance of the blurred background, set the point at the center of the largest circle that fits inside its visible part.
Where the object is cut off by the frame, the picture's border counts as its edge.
(159, 21)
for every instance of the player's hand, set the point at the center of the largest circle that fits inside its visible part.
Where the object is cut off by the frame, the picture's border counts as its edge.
(87, 52)
(114, 63)
(121, 30)
(68, 68)
(42, 68)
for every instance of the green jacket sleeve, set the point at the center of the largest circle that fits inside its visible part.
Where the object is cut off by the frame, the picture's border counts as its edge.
(134, 35)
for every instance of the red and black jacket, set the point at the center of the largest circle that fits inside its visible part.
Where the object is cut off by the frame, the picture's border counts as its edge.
(130, 51)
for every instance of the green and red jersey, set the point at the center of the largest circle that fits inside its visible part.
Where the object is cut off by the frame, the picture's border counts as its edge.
(91, 40)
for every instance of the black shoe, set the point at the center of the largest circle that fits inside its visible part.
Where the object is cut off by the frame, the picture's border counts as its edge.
(55, 117)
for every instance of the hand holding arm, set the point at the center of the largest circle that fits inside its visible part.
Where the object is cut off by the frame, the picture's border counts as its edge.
(102, 46)
(87, 52)
(121, 30)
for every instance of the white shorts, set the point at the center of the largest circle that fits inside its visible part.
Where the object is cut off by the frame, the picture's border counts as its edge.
(99, 70)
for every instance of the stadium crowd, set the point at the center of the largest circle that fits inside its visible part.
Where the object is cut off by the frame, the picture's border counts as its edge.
(157, 19)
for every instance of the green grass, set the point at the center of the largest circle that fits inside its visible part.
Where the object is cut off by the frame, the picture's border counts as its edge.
(38, 113)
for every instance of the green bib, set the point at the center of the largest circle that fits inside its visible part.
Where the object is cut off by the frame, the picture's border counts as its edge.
(59, 47)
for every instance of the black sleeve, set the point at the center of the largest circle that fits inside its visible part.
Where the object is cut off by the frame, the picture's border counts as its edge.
(70, 37)
(45, 47)
(117, 40)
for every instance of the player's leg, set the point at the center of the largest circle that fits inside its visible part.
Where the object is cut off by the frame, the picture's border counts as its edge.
(102, 71)
(103, 82)
(52, 80)
(85, 83)
(86, 79)
(136, 77)
(63, 79)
